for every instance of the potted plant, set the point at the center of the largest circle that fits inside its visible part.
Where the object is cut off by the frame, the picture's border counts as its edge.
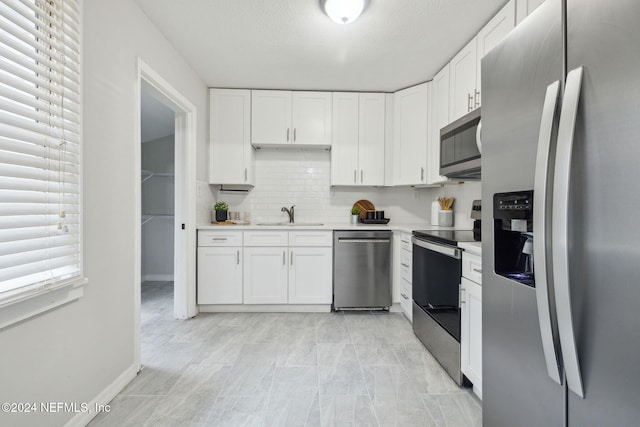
(221, 209)
(355, 214)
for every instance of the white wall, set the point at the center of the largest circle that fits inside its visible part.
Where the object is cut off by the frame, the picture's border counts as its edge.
(158, 205)
(73, 353)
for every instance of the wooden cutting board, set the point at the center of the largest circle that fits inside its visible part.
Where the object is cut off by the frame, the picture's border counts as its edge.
(364, 206)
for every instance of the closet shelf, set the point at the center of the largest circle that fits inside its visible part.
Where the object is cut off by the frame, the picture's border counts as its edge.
(148, 217)
(149, 174)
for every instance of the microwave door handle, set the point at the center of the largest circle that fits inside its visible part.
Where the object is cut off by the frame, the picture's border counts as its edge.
(541, 224)
(560, 228)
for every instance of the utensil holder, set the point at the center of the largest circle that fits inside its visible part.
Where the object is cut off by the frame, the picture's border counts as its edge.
(445, 218)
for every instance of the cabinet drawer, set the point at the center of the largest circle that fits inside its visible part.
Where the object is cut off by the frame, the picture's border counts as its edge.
(405, 265)
(310, 238)
(472, 267)
(406, 299)
(405, 242)
(266, 238)
(219, 238)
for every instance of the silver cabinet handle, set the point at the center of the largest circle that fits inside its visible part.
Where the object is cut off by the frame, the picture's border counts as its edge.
(287, 134)
(355, 174)
(405, 241)
(361, 176)
(291, 257)
(476, 98)
(404, 296)
(404, 265)
(469, 102)
(462, 291)
(245, 174)
(238, 257)
(541, 224)
(219, 238)
(477, 270)
(284, 258)
(294, 134)
(421, 174)
(559, 227)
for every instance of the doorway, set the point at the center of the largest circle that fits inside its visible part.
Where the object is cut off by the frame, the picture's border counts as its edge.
(151, 84)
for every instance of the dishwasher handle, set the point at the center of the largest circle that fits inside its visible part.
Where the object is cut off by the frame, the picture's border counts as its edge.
(362, 240)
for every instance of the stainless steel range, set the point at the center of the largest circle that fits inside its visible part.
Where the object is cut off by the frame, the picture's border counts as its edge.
(437, 269)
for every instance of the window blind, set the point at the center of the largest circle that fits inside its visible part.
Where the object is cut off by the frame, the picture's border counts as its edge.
(39, 144)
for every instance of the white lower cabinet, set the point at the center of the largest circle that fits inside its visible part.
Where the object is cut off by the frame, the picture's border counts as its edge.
(265, 275)
(471, 327)
(219, 275)
(310, 275)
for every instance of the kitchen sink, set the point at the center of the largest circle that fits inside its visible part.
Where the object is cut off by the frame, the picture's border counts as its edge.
(294, 224)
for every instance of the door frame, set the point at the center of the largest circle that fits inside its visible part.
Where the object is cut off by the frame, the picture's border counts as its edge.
(184, 299)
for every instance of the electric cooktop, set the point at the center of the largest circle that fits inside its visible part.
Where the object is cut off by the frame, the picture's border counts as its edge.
(451, 237)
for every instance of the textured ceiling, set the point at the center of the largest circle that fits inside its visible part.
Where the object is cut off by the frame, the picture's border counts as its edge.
(292, 44)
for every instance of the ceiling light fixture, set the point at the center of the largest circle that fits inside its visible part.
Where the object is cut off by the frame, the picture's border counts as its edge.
(343, 11)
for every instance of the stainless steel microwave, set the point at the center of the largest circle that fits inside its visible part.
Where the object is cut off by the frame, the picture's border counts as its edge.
(460, 148)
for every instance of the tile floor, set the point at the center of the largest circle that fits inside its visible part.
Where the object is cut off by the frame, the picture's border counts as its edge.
(285, 369)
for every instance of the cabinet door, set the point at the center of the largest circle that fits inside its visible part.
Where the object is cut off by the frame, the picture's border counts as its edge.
(265, 275)
(410, 135)
(406, 299)
(271, 117)
(462, 70)
(371, 140)
(219, 275)
(230, 151)
(310, 275)
(312, 118)
(492, 34)
(525, 7)
(344, 146)
(471, 333)
(439, 118)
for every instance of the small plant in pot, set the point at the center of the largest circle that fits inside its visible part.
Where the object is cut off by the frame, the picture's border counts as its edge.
(355, 214)
(221, 209)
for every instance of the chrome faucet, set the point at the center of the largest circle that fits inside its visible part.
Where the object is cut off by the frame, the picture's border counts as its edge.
(289, 212)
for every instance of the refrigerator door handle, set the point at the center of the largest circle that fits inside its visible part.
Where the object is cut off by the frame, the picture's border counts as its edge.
(560, 222)
(541, 228)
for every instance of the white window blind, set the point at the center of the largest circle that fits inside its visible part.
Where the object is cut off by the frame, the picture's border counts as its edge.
(39, 145)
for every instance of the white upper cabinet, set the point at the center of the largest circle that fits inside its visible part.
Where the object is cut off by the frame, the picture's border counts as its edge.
(357, 152)
(372, 132)
(492, 34)
(345, 144)
(465, 67)
(525, 7)
(311, 118)
(280, 117)
(439, 118)
(230, 151)
(270, 117)
(410, 128)
(462, 76)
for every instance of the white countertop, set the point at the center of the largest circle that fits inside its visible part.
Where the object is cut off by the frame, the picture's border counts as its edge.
(404, 227)
(472, 247)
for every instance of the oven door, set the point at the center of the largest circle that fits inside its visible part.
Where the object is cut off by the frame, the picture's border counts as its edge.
(436, 275)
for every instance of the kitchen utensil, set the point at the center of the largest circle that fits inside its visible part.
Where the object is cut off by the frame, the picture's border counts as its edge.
(364, 206)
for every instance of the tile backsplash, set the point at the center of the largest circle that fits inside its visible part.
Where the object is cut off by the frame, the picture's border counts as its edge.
(302, 177)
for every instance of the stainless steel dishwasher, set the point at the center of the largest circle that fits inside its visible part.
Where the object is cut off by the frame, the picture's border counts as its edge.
(361, 269)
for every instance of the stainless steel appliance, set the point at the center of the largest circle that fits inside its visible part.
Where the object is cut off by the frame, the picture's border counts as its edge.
(560, 112)
(361, 269)
(460, 148)
(437, 269)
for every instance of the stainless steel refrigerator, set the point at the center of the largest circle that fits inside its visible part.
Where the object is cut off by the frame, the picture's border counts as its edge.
(561, 184)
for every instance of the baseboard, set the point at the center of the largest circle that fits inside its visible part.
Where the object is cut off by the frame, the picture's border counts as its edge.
(264, 308)
(83, 418)
(157, 278)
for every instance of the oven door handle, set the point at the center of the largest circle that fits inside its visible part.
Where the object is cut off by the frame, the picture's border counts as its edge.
(450, 251)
